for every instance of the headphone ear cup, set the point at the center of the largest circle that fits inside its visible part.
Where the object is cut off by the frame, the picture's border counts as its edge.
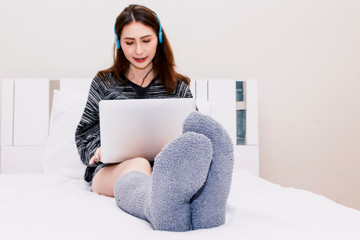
(117, 39)
(117, 42)
(160, 36)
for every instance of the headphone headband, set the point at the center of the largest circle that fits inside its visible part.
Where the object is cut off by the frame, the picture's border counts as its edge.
(160, 34)
(160, 30)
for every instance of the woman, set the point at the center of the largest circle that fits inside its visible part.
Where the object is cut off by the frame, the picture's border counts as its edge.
(190, 181)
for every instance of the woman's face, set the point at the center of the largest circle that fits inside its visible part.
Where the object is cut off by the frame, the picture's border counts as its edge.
(138, 43)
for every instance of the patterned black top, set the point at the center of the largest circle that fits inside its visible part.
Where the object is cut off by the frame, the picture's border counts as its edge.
(87, 135)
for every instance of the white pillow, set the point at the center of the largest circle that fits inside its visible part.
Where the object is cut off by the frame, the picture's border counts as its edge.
(61, 156)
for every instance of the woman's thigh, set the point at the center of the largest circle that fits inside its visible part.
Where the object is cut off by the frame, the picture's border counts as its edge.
(104, 180)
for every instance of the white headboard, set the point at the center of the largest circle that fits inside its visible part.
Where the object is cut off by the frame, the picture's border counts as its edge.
(26, 108)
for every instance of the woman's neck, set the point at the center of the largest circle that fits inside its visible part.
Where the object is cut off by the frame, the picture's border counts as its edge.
(141, 77)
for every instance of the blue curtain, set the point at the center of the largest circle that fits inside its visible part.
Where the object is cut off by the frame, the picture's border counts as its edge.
(240, 115)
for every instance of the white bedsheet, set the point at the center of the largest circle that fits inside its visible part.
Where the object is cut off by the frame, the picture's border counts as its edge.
(36, 206)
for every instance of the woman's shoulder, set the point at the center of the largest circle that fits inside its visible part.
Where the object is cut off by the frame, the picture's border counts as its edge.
(183, 88)
(106, 80)
(183, 81)
(104, 77)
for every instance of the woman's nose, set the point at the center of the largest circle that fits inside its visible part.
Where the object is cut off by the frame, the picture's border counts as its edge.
(138, 49)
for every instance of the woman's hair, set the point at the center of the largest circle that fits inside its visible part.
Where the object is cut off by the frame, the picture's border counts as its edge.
(163, 62)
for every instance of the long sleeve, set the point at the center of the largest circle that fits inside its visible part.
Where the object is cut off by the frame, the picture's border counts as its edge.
(87, 135)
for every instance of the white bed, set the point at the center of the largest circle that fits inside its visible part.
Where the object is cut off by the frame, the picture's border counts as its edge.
(43, 195)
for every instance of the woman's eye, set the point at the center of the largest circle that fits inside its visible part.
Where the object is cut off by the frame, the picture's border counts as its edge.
(129, 43)
(147, 41)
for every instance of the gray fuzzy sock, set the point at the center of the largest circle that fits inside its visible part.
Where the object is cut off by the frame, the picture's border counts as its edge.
(180, 170)
(132, 194)
(208, 206)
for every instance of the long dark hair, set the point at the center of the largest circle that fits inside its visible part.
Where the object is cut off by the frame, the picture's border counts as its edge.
(163, 62)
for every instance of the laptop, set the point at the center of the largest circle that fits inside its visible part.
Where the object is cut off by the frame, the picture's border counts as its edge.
(140, 127)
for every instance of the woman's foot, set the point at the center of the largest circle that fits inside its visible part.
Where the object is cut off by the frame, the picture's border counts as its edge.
(208, 206)
(180, 170)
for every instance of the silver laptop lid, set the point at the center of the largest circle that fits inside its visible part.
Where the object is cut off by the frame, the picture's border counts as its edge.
(140, 127)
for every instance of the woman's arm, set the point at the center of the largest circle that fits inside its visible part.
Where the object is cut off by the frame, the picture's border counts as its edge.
(87, 135)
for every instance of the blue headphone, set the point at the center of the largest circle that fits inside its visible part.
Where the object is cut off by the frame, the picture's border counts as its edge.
(160, 35)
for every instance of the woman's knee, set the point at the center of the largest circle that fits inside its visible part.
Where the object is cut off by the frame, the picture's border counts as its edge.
(138, 164)
(104, 180)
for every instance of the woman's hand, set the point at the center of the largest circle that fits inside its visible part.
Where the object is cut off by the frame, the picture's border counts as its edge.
(97, 157)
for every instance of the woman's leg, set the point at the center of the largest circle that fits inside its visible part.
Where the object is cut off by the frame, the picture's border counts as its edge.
(208, 206)
(104, 180)
(180, 170)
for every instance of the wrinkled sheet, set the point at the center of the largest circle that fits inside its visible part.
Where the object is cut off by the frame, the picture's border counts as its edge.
(44, 206)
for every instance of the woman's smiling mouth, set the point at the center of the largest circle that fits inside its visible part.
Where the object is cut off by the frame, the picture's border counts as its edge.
(140, 60)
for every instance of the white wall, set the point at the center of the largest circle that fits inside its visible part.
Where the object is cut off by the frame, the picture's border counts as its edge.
(305, 55)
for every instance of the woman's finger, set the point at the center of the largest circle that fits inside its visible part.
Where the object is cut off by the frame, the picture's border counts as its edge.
(92, 160)
(99, 154)
(96, 158)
